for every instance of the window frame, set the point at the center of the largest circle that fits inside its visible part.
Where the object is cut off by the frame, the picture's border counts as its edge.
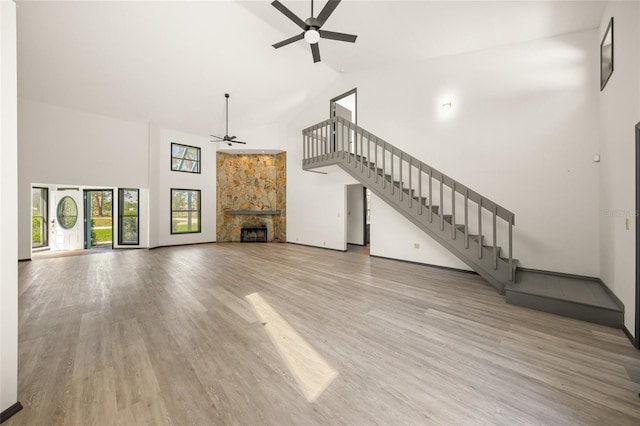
(121, 216)
(44, 217)
(171, 211)
(198, 161)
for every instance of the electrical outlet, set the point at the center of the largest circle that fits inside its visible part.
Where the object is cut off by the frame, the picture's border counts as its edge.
(416, 245)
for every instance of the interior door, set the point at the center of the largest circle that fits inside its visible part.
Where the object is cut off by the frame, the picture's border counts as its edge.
(340, 111)
(355, 218)
(65, 220)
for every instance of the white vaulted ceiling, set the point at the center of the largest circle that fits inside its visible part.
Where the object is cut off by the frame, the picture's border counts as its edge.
(171, 62)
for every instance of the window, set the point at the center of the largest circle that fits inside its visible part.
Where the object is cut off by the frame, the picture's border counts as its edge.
(128, 217)
(39, 228)
(67, 212)
(185, 211)
(185, 158)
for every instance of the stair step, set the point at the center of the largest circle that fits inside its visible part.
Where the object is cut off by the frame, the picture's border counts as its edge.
(476, 237)
(490, 249)
(447, 218)
(423, 200)
(579, 298)
(506, 260)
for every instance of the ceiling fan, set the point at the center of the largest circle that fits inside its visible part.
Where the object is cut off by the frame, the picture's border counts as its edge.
(311, 27)
(226, 138)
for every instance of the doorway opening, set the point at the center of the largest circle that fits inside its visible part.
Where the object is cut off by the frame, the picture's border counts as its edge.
(98, 214)
(356, 215)
(636, 340)
(367, 206)
(345, 106)
(346, 103)
(358, 197)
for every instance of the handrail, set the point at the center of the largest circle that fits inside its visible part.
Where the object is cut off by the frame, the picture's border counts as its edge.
(460, 188)
(321, 142)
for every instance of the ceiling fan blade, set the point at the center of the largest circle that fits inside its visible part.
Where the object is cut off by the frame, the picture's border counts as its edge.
(338, 36)
(217, 137)
(232, 137)
(315, 51)
(243, 143)
(289, 40)
(289, 14)
(327, 10)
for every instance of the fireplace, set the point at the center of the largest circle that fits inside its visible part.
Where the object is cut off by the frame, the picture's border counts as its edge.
(253, 234)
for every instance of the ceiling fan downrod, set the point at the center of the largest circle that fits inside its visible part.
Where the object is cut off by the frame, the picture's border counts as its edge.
(226, 126)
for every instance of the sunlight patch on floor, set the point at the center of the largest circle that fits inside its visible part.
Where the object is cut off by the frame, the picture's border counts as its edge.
(308, 367)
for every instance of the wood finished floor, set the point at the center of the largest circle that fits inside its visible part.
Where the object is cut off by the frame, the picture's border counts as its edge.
(139, 337)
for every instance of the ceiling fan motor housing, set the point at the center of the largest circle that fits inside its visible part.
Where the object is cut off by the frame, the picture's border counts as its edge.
(312, 24)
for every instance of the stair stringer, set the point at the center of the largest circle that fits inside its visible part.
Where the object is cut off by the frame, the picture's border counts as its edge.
(498, 277)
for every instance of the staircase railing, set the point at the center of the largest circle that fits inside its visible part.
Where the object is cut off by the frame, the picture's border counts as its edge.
(338, 138)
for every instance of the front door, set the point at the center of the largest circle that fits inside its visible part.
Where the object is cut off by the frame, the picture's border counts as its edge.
(65, 220)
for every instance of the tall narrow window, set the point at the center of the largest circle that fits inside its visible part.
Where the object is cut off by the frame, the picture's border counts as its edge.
(128, 217)
(39, 228)
(185, 211)
(185, 158)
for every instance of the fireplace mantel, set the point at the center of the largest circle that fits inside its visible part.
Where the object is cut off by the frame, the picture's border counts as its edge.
(253, 212)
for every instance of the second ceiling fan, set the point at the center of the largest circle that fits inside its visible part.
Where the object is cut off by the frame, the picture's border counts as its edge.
(311, 31)
(226, 138)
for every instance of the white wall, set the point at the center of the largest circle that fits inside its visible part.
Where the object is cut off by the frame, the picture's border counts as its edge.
(316, 203)
(522, 131)
(355, 214)
(162, 179)
(316, 206)
(67, 147)
(8, 210)
(619, 113)
(395, 237)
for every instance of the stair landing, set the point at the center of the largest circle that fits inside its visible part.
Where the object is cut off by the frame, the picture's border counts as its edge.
(581, 298)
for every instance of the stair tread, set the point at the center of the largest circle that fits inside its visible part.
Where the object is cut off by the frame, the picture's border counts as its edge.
(582, 291)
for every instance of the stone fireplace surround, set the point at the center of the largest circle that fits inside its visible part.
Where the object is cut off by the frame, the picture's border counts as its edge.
(251, 192)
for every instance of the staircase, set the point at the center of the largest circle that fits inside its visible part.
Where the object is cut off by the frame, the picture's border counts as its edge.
(472, 227)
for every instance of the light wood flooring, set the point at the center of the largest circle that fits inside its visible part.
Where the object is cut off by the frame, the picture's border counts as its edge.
(167, 336)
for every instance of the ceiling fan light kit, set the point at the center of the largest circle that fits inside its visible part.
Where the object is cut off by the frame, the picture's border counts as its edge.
(226, 138)
(312, 36)
(311, 31)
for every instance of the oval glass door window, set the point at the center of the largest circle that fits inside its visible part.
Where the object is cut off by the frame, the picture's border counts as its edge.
(67, 212)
